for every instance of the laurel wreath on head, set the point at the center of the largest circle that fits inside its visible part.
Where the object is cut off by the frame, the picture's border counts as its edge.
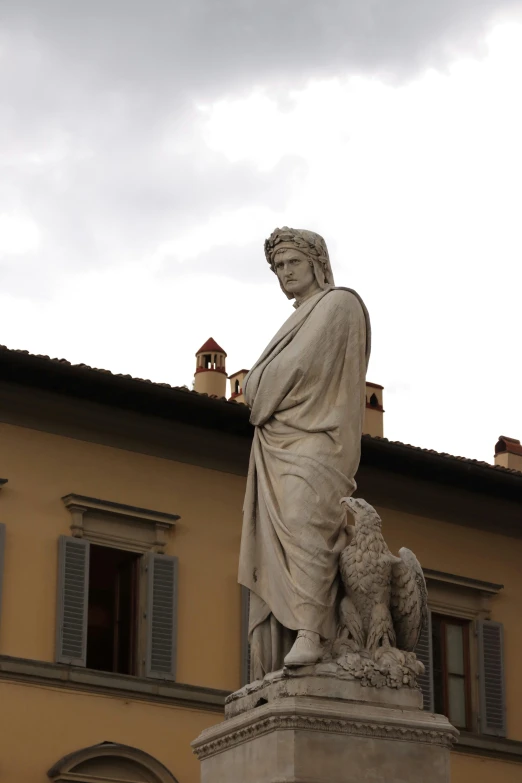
(307, 242)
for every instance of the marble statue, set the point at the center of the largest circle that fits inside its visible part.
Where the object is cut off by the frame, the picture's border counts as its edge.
(335, 617)
(307, 397)
(385, 605)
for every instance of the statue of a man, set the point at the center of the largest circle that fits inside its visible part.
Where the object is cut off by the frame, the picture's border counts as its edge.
(307, 397)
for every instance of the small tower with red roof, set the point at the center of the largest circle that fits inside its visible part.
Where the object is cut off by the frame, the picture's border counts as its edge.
(211, 374)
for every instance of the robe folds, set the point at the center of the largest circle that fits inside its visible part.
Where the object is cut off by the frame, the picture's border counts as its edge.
(307, 398)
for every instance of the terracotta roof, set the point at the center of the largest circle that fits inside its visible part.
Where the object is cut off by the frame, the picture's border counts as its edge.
(15, 352)
(88, 369)
(444, 455)
(511, 445)
(121, 390)
(238, 372)
(211, 346)
(179, 402)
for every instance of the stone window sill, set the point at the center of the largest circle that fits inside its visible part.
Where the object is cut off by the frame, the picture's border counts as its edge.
(493, 747)
(122, 685)
(193, 696)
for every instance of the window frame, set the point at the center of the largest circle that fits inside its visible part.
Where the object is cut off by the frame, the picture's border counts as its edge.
(119, 525)
(152, 621)
(467, 626)
(69, 768)
(126, 528)
(134, 648)
(465, 599)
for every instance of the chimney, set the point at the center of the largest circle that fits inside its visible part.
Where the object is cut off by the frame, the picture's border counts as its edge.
(373, 418)
(211, 374)
(236, 385)
(508, 453)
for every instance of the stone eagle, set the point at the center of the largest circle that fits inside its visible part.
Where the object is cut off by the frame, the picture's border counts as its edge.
(385, 605)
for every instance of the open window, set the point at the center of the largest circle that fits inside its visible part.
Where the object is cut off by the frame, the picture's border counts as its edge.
(463, 654)
(117, 594)
(112, 610)
(451, 669)
(99, 621)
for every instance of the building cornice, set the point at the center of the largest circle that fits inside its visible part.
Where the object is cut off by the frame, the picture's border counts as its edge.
(120, 509)
(75, 678)
(161, 401)
(44, 674)
(490, 747)
(486, 588)
(130, 521)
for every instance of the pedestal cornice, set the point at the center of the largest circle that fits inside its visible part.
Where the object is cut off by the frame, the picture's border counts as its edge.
(324, 715)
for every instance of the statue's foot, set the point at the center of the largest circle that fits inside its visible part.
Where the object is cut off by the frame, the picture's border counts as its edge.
(307, 650)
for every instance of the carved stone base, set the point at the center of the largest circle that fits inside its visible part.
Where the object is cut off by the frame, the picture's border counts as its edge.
(326, 739)
(324, 680)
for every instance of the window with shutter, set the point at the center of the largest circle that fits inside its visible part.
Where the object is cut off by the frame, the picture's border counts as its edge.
(245, 647)
(112, 627)
(450, 637)
(98, 623)
(162, 578)
(424, 653)
(491, 678)
(2, 556)
(73, 589)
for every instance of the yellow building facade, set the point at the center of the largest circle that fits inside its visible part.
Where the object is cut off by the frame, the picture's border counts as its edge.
(121, 627)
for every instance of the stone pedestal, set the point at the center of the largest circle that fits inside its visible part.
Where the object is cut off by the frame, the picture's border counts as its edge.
(313, 729)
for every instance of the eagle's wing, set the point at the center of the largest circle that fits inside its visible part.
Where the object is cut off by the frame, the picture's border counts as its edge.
(409, 600)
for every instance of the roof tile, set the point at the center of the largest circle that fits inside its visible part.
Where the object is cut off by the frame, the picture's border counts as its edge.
(211, 345)
(223, 400)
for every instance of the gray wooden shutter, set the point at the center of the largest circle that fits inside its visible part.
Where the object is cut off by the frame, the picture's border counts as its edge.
(72, 600)
(2, 550)
(491, 678)
(245, 647)
(424, 652)
(162, 599)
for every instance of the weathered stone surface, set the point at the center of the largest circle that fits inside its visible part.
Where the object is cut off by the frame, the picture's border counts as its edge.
(385, 605)
(307, 398)
(320, 681)
(323, 740)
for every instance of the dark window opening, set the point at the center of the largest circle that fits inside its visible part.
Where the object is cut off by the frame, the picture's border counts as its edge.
(113, 610)
(236, 387)
(451, 669)
(374, 401)
(207, 359)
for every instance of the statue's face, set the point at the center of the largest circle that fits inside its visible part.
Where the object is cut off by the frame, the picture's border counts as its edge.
(296, 273)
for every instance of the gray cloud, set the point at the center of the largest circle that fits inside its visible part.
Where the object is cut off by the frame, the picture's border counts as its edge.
(98, 124)
(202, 46)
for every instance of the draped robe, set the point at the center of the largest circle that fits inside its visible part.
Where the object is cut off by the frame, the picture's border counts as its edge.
(307, 398)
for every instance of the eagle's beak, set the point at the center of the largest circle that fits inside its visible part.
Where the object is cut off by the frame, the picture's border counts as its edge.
(350, 502)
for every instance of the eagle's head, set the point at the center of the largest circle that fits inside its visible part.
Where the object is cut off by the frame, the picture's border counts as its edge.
(362, 512)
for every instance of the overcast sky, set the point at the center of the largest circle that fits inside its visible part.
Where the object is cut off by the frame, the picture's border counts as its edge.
(148, 148)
